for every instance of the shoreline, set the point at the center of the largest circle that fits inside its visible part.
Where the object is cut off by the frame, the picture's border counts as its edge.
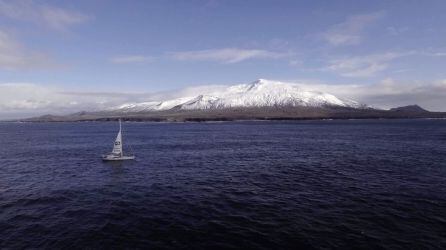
(200, 120)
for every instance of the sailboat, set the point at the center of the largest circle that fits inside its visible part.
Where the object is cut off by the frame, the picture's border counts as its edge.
(117, 153)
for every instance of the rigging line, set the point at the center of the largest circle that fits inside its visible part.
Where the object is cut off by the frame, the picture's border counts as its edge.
(130, 146)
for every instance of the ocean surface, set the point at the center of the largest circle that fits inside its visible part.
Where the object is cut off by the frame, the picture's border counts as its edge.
(358, 184)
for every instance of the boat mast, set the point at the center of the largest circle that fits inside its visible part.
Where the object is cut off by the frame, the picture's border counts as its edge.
(120, 131)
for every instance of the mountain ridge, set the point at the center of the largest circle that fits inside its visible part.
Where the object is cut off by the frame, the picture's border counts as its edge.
(258, 100)
(410, 108)
(260, 93)
(233, 114)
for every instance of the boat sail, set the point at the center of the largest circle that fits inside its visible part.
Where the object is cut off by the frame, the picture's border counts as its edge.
(117, 152)
(117, 148)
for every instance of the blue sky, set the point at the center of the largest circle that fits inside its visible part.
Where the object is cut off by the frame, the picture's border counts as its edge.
(150, 46)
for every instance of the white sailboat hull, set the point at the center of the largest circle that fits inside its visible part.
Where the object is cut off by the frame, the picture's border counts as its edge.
(117, 158)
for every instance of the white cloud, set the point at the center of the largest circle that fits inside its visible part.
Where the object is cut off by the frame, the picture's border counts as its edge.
(23, 96)
(350, 31)
(130, 59)
(226, 55)
(396, 31)
(363, 66)
(50, 16)
(372, 64)
(29, 99)
(389, 93)
(14, 56)
(439, 54)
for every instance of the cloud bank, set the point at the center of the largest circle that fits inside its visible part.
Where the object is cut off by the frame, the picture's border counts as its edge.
(362, 66)
(28, 99)
(126, 59)
(350, 31)
(13, 55)
(47, 15)
(390, 93)
(225, 55)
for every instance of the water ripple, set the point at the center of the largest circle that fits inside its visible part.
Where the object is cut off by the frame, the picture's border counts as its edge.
(238, 185)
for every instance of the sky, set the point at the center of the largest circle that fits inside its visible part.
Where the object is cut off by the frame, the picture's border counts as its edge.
(66, 56)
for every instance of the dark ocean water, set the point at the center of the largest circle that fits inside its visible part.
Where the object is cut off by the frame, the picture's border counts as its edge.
(243, 185)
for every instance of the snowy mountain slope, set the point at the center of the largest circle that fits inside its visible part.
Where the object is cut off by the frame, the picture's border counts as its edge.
(260, 93)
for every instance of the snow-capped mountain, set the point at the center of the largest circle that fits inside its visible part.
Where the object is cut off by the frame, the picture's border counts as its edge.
(260, 93)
